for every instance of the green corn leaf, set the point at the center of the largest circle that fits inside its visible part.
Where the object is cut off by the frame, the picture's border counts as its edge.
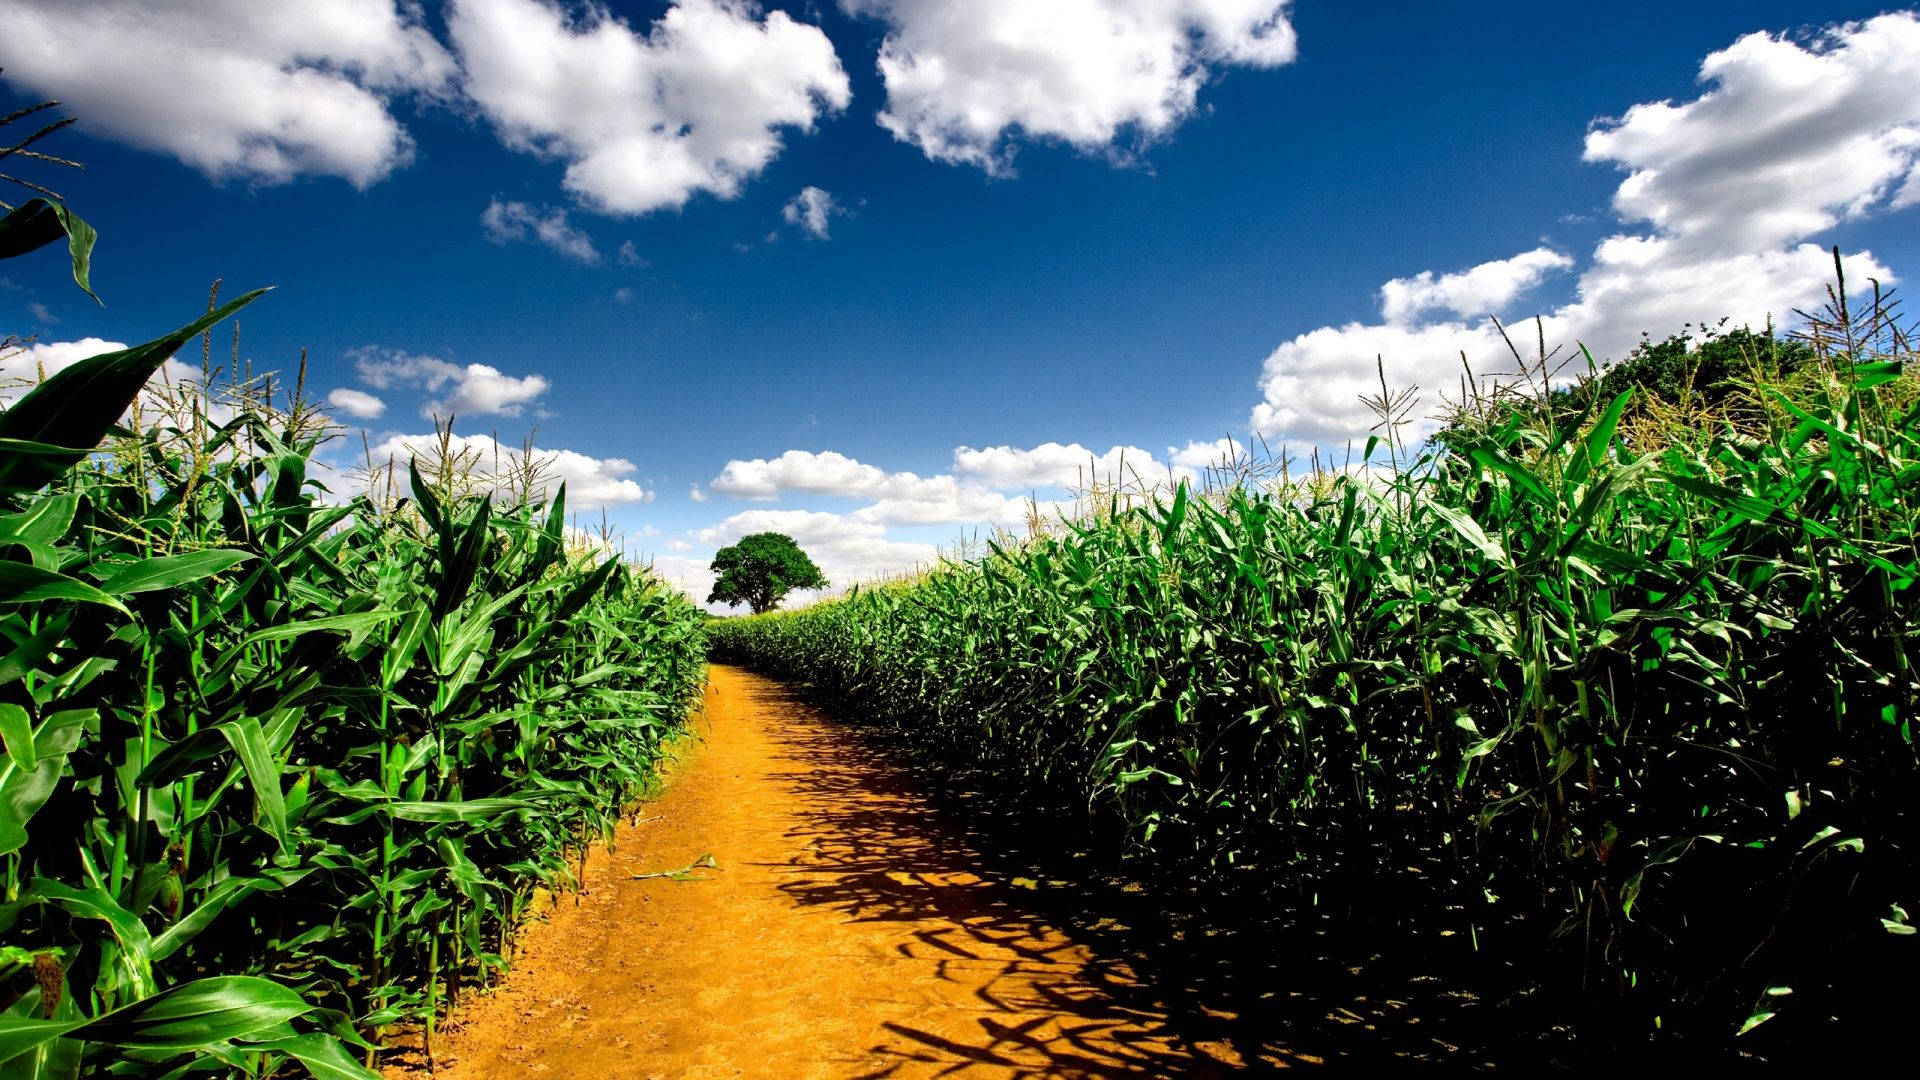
(1754, 1021)
(22, 791)
(16, 728)
(402, 645)
(93, 902)
(78, 404)
(472, 630)
(1601, 437)
(466, 876)
(354, 625)
(468, 810)
(18, 1035)
(424, 500)
(461, 551)
(170, 571)
(1176, 514)
(1738, 502)
(422, 750)
(54, 459)
(28, 656)
(1471, 532)
(587, 588)
(263, 773)
(184, 758)
(185, 1017)
(1867, 376)
(224, 895)
(323, 1056)
(39, 222)
(317, 529)
(24, 583)
(1831, 431)
(44, 522)
(553, 533)
(1491, 457)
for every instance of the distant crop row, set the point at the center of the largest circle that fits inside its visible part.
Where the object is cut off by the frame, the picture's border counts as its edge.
(1628, 700)
(282, 769)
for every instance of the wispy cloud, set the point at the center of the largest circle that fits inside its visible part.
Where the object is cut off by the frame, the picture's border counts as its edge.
(463, 390)
(506, 222)
(812, 210)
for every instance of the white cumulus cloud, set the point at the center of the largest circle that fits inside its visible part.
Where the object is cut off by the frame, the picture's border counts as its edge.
(24, 368)
(1197, 460)
(1313, 384)
(464, 390)
(897, 498)
(356, 403)
(235, 88)
(1054, 465)
(1198, 455)
(1789, 137)
(591, 482)
(846, 548)
(1486, 288)
(943, 500)
(824, 473)
(698, 102)
(687, 573)
(963, 81)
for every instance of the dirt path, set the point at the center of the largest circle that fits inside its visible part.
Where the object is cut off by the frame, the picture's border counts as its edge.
(845, 934)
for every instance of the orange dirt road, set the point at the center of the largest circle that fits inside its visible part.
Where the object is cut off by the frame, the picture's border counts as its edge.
(845, 933)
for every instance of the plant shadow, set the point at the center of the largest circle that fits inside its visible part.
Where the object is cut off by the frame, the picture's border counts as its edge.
(1068, 968)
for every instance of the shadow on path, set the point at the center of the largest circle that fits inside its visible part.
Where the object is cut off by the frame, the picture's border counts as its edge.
(1062, 972)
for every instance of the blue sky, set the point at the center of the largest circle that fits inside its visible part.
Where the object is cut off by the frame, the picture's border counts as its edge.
(1094, 223)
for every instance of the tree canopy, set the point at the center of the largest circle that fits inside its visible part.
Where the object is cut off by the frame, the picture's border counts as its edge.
(1706, 376)
(761, 570)
(1710, 369)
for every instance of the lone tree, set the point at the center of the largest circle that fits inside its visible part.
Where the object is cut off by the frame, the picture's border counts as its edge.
(761, 570)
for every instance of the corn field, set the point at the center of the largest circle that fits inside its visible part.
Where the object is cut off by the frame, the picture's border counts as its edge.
(1627, 704)
(283, 768)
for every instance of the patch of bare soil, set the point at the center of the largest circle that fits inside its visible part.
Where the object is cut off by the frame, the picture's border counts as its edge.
(847, 930)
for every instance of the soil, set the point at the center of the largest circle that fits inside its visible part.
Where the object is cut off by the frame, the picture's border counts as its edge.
(847, 929)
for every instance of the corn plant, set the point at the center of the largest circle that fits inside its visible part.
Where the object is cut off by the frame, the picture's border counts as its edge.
(1634, 715)
(283, 767)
